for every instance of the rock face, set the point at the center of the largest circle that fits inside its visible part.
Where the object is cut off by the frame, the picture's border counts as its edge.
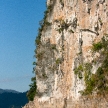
(71, 28)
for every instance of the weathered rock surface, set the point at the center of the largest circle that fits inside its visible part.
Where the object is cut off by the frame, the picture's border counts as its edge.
(65, 44)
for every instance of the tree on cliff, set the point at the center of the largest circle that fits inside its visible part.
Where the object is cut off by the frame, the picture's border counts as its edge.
(32, 92)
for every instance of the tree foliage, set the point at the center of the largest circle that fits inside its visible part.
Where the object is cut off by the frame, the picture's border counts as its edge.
(32, 91)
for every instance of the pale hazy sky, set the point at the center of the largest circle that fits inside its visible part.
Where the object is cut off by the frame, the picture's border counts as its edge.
(19, 22)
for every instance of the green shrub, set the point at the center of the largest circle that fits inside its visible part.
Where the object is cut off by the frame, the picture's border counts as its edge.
(60, 30)
(53, 46)
(32, 91)
(47, 23)
(63, 26)
(59, 61)
(78, 71)
(44, 75)
(49, 8)
(90, 83)
(39, 56)
(97, 46)
(34, 63)
(38, 40)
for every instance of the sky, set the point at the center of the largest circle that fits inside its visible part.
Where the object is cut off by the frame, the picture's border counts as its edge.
(19, 23)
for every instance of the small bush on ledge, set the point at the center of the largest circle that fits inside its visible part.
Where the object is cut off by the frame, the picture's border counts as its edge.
(97, 46)
(78, 71)
(48, 23)
(59, 61)
(39, 56)
(53, 46)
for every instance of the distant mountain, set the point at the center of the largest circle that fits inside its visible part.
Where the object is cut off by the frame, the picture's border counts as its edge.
(8, 91)
(12, 99)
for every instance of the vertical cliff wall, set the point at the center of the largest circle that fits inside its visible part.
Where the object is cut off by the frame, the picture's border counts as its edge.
(65, 46)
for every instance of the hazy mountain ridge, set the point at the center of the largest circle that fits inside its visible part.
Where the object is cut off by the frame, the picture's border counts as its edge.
(12, 99)
(8, 91)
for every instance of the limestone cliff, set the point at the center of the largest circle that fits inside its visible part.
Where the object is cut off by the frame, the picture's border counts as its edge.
(64, 47)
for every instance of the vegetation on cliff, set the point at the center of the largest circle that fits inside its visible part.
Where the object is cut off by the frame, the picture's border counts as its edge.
(99, 81)
(96, 82)
(39, 55)
(32, 91)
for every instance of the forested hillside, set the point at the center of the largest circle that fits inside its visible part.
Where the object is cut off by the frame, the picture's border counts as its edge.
(12, 100)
